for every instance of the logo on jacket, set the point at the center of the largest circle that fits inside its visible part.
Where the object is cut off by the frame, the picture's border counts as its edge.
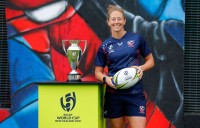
(131, 43)
(68, 102)
(110, 48)
(120, 44)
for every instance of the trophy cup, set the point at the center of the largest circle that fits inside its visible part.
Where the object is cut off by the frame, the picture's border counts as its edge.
(73, 54)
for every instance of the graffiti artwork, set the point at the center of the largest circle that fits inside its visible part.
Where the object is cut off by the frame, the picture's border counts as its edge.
(35, 33)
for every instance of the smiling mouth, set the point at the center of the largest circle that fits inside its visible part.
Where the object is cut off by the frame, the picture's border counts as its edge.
(48, 12)
(117, 27)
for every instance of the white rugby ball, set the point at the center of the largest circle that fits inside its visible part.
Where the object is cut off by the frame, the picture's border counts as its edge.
(125, 78)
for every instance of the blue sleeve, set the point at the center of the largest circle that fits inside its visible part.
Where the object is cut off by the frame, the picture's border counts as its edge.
(144, 48)
(100, 59)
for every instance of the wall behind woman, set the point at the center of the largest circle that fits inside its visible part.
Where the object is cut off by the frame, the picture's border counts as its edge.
(35, 33)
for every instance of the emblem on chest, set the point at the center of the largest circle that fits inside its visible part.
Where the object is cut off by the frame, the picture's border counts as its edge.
(131, 43)
(110, 49)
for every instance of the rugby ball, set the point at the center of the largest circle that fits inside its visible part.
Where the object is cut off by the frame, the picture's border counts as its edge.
(125, 78)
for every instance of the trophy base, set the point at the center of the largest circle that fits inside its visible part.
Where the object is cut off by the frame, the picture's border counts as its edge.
(74, 78)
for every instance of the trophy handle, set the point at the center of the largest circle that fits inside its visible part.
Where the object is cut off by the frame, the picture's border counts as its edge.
(85, 46)
(63, 45)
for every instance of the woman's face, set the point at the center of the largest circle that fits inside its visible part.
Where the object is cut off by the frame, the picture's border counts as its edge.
(116, 21)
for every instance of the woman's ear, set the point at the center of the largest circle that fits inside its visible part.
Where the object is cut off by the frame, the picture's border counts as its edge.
(124, 21)
(108, 23)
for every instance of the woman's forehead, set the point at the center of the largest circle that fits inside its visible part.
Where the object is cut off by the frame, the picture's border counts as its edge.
(116, 14)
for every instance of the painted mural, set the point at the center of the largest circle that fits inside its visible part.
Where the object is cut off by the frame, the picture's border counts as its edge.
(35, 33)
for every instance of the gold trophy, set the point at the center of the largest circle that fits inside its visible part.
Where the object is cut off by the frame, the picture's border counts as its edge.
(73, 54)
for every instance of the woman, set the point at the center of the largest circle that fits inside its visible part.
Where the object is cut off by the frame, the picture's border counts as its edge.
(123, 49)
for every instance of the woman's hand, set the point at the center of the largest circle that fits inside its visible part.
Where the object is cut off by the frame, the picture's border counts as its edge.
(139, 71)
(109, 82)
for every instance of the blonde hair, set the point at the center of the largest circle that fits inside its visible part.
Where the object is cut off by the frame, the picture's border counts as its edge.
(112, 8)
